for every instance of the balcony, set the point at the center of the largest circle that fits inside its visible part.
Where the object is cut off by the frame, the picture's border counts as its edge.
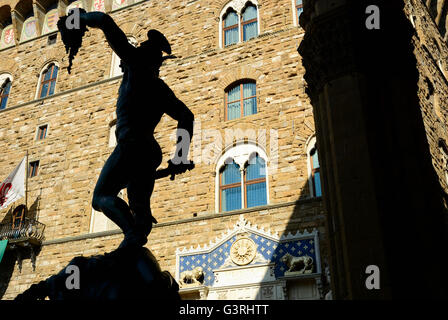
(27, 232)
(25, 237)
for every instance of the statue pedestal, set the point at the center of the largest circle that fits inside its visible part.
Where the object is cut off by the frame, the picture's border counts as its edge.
(129, 273)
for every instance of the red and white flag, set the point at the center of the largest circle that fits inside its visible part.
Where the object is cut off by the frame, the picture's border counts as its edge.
(13, 188)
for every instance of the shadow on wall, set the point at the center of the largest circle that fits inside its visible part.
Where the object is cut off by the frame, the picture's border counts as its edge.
(302, 258)
(302, 261)
(6, 270)
(10, 257)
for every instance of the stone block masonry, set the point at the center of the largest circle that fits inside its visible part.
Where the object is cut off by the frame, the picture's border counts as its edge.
(81, 112)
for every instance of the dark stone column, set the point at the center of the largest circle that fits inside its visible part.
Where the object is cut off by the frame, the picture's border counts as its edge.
(382, 196)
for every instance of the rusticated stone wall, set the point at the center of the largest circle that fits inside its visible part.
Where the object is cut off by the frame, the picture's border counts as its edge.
(81, 111)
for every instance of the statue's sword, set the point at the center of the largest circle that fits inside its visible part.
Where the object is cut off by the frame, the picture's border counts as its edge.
(172, 170)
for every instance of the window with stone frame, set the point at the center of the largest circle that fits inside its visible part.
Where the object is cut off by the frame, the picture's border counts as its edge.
(48, 81)
(314, 169)
(231, 28)
(18, 219)
(244, 188)
(230, 188)
(42, 132)
(255, 182)
(33, 169)
(239, 22)
(4, 92)
(299, 10)
(241, 99)
(315, 173)
(249, 23)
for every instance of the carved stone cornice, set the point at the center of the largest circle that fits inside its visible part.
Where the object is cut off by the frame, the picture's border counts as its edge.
(314, 8)
(338, 43)
(328, 49)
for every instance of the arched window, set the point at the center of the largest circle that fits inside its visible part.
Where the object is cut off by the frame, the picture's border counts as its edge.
(48, 81)
(231, 28)
(314, 169)
(241, 100)
(239, 22)
(255, 182)
(250, 22)
(241, 180)
(299, 10)
(4, 93)
(230, 187)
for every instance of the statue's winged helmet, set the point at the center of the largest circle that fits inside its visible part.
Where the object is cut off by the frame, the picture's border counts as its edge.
(158, 40)
(154, 46)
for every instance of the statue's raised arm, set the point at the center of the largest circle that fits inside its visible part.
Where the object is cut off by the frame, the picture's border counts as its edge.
(72, 32)
(114, 35)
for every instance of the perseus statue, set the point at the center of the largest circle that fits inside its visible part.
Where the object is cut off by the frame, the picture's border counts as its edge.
(143, 98)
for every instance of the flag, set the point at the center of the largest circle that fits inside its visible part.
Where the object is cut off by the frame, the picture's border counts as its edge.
(13, 188)
(3, 244)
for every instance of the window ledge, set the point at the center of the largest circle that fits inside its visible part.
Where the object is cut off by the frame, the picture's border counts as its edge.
(58, 94)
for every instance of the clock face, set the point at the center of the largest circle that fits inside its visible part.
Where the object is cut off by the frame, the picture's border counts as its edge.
(243, 251)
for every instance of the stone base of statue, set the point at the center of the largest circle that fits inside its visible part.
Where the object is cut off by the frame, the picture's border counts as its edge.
(127, 273)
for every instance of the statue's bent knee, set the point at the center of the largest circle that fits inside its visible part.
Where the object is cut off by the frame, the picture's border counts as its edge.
(96, 202)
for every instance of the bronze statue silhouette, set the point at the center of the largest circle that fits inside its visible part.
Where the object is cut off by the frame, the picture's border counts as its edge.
(130, 273)
(143, 99)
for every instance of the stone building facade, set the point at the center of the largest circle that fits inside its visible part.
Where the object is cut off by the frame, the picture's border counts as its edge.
(66, 124)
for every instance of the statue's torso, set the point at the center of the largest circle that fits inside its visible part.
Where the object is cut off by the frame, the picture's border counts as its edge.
(140, 103)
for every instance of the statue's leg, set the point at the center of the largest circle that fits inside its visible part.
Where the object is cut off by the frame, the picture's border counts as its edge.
(139, 195)
(113, 178)
(141, 186)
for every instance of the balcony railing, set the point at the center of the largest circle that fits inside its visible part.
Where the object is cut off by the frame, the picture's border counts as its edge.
(29, 231)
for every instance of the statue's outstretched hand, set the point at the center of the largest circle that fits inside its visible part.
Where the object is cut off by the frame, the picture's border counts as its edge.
(179, 168)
